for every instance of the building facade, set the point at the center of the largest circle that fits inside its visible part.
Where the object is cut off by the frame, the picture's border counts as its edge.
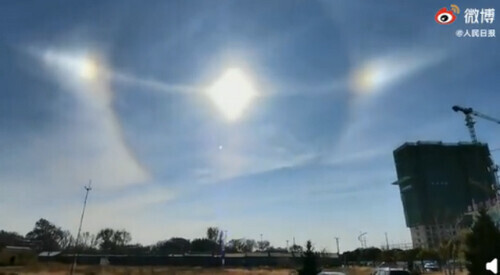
(437, 183)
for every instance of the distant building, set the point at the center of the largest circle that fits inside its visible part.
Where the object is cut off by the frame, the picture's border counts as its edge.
(438, 182)
(16, 255)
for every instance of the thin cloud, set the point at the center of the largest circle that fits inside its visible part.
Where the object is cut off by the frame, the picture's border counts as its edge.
(95, 146)
(154, 84)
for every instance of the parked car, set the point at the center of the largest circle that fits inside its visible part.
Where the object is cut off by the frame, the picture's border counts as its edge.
(431, 266)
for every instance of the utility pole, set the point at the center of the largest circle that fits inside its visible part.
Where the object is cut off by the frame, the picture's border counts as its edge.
(87, 190)
(287, 246)
(261, 244)
(223, 237)
(386, 241)
(338, 250)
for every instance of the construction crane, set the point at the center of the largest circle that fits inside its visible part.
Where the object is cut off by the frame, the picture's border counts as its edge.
(469, 119)
(469, 122)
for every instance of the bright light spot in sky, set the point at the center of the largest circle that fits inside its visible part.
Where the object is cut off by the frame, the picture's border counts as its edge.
(372, 76)
(220, 147)
(82, 66)
(88, 68)
(377, 74)
(232, 93)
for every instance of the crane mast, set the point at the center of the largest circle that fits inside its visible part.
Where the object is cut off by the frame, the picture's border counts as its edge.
(469, 122)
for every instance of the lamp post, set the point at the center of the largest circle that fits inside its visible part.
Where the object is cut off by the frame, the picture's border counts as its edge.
(87, 190)
(338, 250)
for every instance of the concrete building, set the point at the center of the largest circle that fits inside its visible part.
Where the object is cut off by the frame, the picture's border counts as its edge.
(438, 182)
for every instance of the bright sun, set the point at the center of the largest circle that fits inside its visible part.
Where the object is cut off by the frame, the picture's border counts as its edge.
(232, 93)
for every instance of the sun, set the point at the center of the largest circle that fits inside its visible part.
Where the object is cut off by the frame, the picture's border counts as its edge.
(232, 93)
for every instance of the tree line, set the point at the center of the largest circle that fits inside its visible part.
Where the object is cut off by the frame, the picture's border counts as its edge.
(46, 236)
(475, 247)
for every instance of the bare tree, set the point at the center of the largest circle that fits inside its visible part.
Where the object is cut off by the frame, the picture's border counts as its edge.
(263, 245)
(85, 239)
(213, 233)
(66, 240)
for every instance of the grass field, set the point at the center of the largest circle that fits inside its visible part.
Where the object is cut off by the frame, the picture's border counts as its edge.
(58, 269)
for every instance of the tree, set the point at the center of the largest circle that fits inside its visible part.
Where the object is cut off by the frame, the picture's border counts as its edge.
(388, 256)
(11, 238)
(371, 254)
(309, 263)
(94, 242)
(448, 251)
(349, 256)
(241, 245)
(410, 256)
(173, 246)
(121, 238)
(49, 235)
(235, 245)
(296, 248)
(249, 245)
(263, 245)
(203, 245)
(213, 233)
(104, 238)
(135, 249)
(277, 249)
(111, 240)
(482, 244)
(66, 240)
(85, 238)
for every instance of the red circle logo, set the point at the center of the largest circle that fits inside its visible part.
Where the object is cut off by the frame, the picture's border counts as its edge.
(445, 16)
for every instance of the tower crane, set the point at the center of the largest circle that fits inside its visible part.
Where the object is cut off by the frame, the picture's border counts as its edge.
(469, 119)
(469, 122)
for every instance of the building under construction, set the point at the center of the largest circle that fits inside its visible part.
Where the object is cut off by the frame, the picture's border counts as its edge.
(438, 182)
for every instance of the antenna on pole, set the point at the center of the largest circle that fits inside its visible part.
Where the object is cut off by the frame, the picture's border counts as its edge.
(87, 190)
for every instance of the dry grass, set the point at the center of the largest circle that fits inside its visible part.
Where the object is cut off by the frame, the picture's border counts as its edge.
(59, 269)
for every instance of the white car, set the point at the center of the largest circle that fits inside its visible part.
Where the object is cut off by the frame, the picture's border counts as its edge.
(431, 267)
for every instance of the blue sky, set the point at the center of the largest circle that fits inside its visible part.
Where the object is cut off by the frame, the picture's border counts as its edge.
(340, 84)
